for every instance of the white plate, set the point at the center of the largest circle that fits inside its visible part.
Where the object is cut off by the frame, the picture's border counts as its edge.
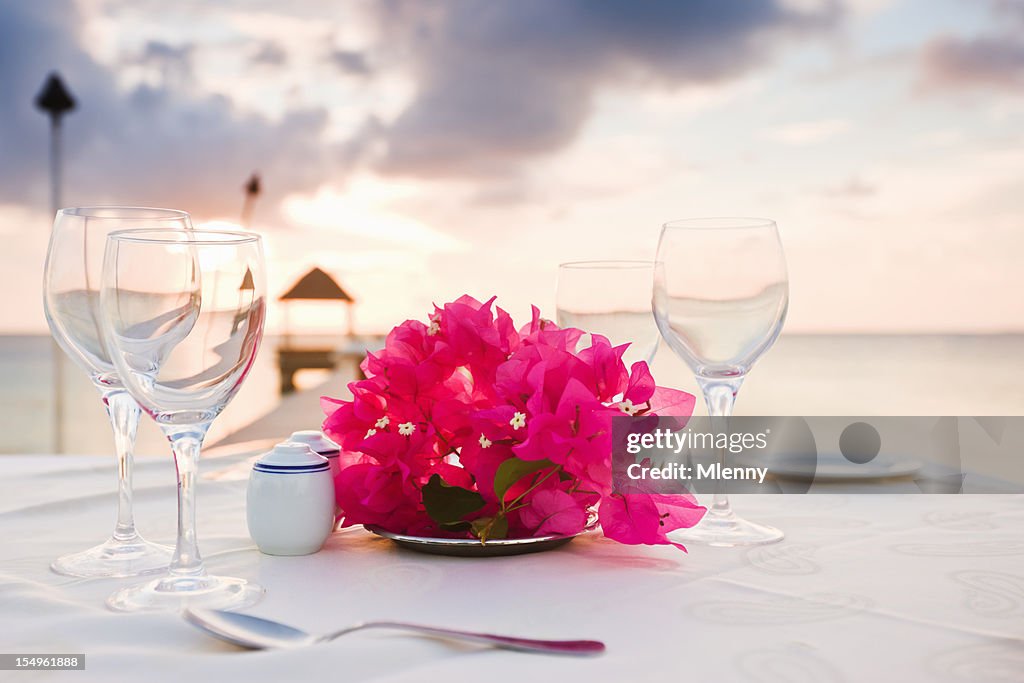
(833, 466)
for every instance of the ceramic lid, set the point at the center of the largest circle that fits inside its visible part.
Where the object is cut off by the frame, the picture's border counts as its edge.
(316, 440)
(291, 457)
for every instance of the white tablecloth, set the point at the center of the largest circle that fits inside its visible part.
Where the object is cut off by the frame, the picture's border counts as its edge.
(865, 587)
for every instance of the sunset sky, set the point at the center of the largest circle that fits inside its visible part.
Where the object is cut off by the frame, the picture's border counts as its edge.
(420, 150)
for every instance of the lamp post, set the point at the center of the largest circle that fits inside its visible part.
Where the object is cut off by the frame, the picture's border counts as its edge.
(252, 191)
(55, 100)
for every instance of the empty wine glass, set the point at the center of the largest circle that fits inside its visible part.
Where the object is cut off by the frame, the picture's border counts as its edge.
(721, 291)
(71, 285)
(613, 299)
(182, 316)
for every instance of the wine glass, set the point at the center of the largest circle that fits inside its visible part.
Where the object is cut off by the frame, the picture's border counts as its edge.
(610, 298)
(721, 291)
(182, 316)
(71, 285)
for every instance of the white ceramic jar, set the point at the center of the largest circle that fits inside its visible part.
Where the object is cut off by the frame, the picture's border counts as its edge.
(290, 501)
(320, 444)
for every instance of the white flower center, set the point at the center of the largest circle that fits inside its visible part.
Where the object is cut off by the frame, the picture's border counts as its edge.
(484, 442)
(518, 421)
(406, 428)
(383, 422)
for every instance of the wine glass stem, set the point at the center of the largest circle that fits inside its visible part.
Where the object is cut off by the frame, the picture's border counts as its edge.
(123, 412)
(720, 396)
(186, 446)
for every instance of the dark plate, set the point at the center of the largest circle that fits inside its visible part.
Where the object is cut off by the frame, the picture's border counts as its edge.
(470, 547)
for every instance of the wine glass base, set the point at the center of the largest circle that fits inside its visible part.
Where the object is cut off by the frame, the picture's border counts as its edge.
(727, 531)
(173, 593)
(116, 559)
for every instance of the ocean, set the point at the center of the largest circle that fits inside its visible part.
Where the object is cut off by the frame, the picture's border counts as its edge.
(801, 375)
(27, 408)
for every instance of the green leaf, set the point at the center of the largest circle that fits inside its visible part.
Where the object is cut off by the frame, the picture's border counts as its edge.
(512, 470)
(500, 528)
(488, 528)
(480, 526)
(447, 504)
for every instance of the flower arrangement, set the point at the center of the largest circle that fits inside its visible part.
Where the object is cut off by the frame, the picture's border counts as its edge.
(468, 427)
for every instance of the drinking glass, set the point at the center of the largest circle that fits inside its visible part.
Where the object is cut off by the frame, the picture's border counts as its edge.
(613, 299)
(71, 283)
(182, 316)
(721, 291)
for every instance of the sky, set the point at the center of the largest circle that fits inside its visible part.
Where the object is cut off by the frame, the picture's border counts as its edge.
(419, 150)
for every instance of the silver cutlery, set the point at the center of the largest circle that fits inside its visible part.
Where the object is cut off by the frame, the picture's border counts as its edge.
(256, 633)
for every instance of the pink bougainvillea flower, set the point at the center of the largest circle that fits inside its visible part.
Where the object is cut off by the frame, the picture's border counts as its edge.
(509, 431)
(370, 494)
(544, 332)
(551, 511)
(647, 518)
(605, 361)
(483, 463)
(665, 401)
(641, 387)
(575, 421)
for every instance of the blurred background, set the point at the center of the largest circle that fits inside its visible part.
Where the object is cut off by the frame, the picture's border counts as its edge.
(404, 153)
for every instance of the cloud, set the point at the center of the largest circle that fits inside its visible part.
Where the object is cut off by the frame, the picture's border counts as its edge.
(361, 213)
(492, 87)
(350, 62)
(1010, 9)
(156, 143)
(269, 53)
(852, 188)
(500, 82)
(164, 55)
(991, 61)
(168, 66)
(807, 132)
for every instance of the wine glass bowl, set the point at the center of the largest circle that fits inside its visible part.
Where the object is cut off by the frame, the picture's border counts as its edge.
(610, 298)
(71, 282)
(721, 293)
(188, 325)
(722, 299)
(182, 319)
(73, 271)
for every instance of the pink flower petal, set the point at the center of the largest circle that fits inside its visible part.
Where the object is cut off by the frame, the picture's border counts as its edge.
(551, 511)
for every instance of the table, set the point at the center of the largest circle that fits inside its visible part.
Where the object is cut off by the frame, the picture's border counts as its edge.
(865, 587)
